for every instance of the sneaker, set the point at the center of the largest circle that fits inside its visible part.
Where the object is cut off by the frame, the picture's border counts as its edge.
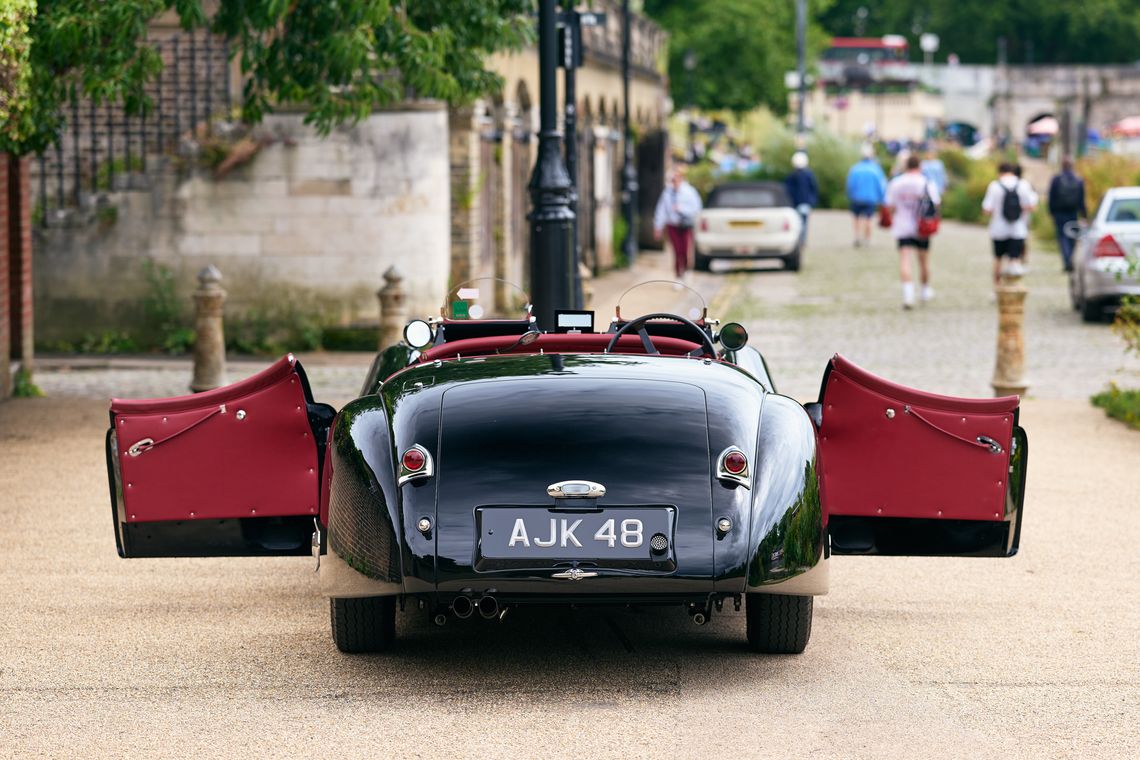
(908, 295)
(927, 293)
(858, 242)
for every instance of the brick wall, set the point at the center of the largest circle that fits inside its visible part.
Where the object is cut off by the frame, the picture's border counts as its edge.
(5, 340)
(19, 225)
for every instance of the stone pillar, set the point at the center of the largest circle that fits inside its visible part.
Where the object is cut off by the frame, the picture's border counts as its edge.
(393, 309)
(210, 341)
(1009, 373)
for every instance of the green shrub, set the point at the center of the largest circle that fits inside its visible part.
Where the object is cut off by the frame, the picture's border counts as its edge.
(289, 319)
(1120, 404)
(968, 183)
(351, 338)
(957, 164)
(1105, 171)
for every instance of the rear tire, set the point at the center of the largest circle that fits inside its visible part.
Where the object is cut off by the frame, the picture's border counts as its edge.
(778, 623)
(363, 625)
(1092, 311)
(702, 263)
(792, 261)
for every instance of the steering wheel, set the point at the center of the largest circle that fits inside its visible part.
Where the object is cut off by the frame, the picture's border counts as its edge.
(638, 325)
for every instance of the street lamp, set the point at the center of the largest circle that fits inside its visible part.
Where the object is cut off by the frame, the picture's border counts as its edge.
(690, 64)
(551, 191)
(628, 172)
(801, 61)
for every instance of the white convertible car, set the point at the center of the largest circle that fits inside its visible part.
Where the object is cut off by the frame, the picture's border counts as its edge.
(748, 220)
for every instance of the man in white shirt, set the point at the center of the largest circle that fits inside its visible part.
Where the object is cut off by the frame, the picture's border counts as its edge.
(1008, 202)
(676, 213)
(904, 194)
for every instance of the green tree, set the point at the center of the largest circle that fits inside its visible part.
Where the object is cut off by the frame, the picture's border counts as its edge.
(15, 45)
(340, 59)
(1093, 31)
(741, 50)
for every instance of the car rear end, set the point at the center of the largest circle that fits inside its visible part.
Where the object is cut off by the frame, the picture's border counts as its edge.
(1111, 250)
(748, 220)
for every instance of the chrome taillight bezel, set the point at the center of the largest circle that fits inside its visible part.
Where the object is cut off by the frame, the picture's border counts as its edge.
(723, 474)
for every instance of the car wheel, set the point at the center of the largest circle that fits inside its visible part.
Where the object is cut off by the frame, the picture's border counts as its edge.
(366, 624)
(792, 261)
(702, 263)
(1092, 311)
(778, 623)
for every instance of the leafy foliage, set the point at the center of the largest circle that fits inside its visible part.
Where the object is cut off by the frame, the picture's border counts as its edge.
(741, 50)
(339, 59)
(1123, 405)
(1093, 31)
(15, 45)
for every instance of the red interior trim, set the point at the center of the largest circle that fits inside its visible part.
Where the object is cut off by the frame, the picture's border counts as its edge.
(921, 398)
(556, 343)
(280, 369)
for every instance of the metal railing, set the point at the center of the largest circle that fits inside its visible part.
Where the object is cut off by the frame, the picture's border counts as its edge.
(102, 149)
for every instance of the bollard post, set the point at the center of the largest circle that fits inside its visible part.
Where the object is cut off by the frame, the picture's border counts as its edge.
(1009, 372)
(209, 341)
(393, 311)
(586, 277)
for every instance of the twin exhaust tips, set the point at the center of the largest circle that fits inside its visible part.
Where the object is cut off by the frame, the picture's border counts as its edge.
(463, 607)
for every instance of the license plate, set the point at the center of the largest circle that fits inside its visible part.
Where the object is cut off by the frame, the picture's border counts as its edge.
(746, 223)
(620, 533)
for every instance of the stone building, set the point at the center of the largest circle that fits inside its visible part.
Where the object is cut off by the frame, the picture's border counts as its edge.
(312, 222)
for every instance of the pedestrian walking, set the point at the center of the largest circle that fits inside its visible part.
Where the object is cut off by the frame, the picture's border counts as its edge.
(676, 213)
(866, 188)
(802, 189)
(906, 195)
(1066, 204)
(934, 170)
(1008, 202)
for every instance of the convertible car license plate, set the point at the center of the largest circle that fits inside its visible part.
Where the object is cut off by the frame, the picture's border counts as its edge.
(622, 533)
(745, 223)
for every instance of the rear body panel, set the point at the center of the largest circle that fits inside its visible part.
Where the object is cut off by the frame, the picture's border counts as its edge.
(748, 233)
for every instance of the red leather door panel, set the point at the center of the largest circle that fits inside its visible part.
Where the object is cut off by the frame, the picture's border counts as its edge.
(243, 451)
(892, 452)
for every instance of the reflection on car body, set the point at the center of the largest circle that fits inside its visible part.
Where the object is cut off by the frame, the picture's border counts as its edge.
(489, 464)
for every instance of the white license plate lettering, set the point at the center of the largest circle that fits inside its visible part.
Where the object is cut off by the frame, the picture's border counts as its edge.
(509, 532)
(631, 531)
(606, 533)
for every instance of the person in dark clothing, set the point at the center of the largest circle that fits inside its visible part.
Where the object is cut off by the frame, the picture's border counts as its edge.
(1066, 204)
(802, 188)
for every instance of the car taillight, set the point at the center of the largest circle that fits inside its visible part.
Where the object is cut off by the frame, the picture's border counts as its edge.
(787, 225)
(413, 460)
(1107, 246)
(704, 225)
(735, 462)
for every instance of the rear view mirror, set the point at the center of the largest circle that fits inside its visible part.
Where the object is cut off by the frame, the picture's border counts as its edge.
(418, 334)
(733, 336)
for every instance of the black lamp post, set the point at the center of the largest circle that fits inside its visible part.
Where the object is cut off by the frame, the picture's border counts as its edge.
(628, 172)
(551, 191)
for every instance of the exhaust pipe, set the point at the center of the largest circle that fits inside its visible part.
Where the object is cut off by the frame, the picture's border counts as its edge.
(488, 607)
(440, 619)
(462, 607)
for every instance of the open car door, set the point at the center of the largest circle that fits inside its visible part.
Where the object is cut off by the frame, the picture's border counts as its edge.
(905, 472)
(234, 471)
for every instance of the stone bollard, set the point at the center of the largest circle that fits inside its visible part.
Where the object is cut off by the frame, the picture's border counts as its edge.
(587, 276)
(1009, 374)
(210, 340)
(393, 310)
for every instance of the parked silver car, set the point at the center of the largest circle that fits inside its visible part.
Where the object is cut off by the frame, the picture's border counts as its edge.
(1103, 253)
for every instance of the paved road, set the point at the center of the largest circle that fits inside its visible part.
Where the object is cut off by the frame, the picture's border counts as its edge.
(1038, 656)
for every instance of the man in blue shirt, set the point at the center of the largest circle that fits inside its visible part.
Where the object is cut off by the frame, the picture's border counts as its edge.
(866, 186)
(935, 172)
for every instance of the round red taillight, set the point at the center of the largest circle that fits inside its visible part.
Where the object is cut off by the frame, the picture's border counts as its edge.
(413, 460)
(735, 463)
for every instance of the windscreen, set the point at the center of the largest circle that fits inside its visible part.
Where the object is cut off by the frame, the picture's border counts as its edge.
(748, 196)
(486, 298)
(657, 296)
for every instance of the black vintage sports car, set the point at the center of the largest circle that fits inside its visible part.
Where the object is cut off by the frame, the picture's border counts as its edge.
(487, 464)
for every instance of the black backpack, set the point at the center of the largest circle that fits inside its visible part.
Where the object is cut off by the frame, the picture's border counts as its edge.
(1068, 194)
(1011, 204)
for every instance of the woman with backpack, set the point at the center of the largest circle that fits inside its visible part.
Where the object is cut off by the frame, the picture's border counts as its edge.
(1007, 202)
(912, 202)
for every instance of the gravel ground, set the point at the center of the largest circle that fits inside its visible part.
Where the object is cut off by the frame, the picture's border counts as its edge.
(1037, 656)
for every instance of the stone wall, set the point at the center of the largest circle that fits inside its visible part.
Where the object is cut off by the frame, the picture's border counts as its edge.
(308, 218)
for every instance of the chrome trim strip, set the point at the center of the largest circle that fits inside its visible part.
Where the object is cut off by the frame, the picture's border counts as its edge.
(741, 479)
(576, 489)
(574, 574)
(407, 475)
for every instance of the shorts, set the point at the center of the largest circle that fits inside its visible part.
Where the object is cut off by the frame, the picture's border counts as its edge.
(863, 209)
(1012, 248)
(921, 244)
